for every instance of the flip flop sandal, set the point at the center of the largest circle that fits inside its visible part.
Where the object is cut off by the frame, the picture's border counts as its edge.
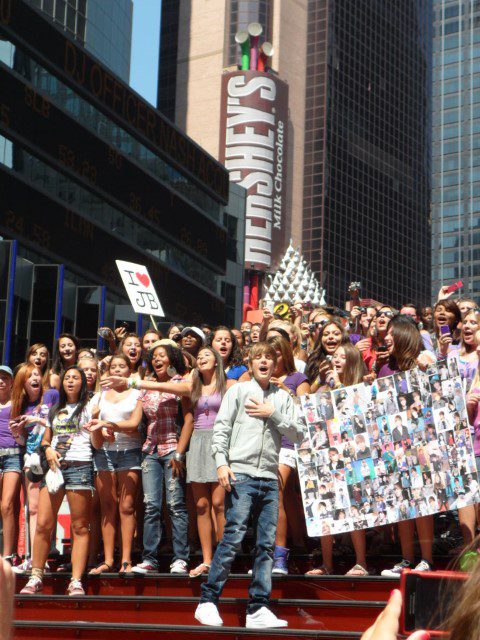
(201, 570)
(319, 571)
(96, 571)
(357, 570)
(123, 569)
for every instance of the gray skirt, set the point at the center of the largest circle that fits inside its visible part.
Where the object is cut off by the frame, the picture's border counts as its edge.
(201, 465)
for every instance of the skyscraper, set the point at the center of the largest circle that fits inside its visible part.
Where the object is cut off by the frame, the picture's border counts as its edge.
(366, 194)
(197, 44)
(359, 76)
(103, 27)
(456, 146)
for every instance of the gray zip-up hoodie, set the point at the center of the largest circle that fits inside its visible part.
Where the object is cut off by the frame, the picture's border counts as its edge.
(252, 445)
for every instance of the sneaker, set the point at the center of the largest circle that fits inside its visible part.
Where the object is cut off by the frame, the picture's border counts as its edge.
(34, 585)
(264, 619)
(178, 566)
(396, 571)
(24, 567)
(144, 567)
(423, 565)
(75, 588)
(207, 613)
(280, 561)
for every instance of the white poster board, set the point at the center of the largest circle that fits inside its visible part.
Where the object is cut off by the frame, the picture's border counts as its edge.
(140, 289)
(379, 454)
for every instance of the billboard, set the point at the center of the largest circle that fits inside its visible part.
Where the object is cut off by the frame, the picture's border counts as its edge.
(253, 147)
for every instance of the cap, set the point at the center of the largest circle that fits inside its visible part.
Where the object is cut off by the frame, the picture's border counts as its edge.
(6, 369)
(196, 331)
(162, 343)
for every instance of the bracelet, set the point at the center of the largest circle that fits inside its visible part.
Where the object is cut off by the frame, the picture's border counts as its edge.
(132, 383)
(179, 457)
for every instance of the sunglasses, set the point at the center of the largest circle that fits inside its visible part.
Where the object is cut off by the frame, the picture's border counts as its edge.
(387, 314)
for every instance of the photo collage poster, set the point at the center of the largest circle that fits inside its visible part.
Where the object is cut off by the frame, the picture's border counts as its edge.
(378, 454)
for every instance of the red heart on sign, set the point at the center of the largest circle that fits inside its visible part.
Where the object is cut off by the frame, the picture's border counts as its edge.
(143, 279)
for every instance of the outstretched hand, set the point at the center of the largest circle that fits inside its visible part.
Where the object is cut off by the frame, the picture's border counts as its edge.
(387, 624)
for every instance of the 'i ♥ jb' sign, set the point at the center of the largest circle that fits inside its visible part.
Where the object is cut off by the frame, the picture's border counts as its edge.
(140, 289)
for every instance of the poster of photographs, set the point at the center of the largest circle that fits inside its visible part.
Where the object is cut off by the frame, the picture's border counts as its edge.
(377, 454)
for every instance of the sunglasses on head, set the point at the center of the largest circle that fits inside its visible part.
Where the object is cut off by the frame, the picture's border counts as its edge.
(387, 314)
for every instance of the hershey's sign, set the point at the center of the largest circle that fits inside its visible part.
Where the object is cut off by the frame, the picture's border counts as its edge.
(253, 147)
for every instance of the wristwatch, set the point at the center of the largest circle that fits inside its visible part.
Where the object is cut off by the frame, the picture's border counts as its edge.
(179, 457)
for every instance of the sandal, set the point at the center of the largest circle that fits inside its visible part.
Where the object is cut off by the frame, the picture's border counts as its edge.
(357, 570)
(319, 571)
(96, 571)
(201, 570)
(123, 569)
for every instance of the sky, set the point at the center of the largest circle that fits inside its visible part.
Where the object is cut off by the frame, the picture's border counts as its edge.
(145, 42)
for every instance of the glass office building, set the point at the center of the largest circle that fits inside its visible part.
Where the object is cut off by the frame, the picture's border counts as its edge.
(103, 27)
(456, 146)
(91, 173)
(367, 148)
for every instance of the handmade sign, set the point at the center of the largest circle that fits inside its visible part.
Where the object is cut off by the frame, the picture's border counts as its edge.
(140, 289)
(378, 454)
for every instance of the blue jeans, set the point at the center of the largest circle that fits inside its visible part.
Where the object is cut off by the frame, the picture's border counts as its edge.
(259, 497)
(156, 473)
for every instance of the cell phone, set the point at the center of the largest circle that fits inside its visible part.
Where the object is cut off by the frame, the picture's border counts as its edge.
(445, 330)
(427, 596)
(453, 287)
(381, 349)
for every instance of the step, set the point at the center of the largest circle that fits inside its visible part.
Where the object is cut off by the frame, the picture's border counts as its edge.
(344, 615)
(25, 630)
(373, 588)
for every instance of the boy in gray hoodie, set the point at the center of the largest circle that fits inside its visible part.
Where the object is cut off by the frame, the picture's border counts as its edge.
(246, 444)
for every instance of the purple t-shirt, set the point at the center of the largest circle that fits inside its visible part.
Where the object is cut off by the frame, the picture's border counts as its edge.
(292, 382)
(7, 441)
(206, 411)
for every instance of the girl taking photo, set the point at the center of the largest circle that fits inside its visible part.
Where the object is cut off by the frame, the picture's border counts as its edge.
(208, 387)
(330, 336)
(118, 464)
(67, 443)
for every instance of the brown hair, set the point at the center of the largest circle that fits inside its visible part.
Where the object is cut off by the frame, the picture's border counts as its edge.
(220, 378)
(354, 365)
(407, 342)
(19, 395)
(46, 370)
(285, 348)
(259, 349)
(318, 354)
(463, 620)
(450, 306)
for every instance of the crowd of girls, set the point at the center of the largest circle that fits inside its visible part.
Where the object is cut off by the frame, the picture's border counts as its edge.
(132, 431)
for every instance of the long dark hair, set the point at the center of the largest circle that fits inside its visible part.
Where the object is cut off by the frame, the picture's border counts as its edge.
(57, 366)
(407, 342)
(197, 379)
(174, 355)
(83, 396)
(235, 358)
(318, 354)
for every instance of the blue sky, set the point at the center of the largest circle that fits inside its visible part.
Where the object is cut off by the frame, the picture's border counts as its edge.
(145, 42)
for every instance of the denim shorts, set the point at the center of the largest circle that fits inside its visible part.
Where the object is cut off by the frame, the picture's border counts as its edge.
(13, 462)
(114, 461)
(77, 477)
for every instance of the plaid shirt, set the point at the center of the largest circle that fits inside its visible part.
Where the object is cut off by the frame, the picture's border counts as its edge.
(161, 410)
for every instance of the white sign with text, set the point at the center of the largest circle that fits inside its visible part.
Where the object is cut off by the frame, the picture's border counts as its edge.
(140, 289)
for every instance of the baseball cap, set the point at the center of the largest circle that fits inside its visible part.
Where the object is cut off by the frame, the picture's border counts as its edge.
(6, 369)
(196, 331)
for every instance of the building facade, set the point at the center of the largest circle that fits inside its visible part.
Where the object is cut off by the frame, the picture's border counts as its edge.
(91, 173)
(367, 148)
(456, 146)
(103, 27)
(197, 45)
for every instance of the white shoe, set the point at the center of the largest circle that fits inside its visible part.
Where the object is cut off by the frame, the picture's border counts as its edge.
(207, 613)
(423, 565)
(264, 619)
(178, 566)
(24, 567)
(396, 570)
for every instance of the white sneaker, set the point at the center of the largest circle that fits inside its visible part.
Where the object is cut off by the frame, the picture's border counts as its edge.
(396, 570)
(178, 566)
(264, 619)
(423, 565)
(24, 567)
(207, 613)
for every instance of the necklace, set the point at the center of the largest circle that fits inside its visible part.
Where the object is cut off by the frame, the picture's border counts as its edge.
(206, 410)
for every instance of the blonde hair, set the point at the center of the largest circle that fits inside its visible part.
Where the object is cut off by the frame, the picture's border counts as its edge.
(94, 359)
